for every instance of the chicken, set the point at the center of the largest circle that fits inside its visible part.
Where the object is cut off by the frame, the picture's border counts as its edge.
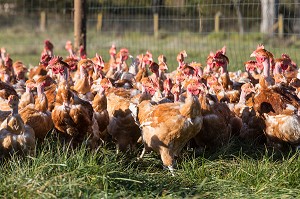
(265, 58)
(27, 97)
(15, 136)
(36, 72)
(275, 99)
(98, 67)
(100, 115)
(134, 66)
(112, 60)
(283, 129)
(142, 70)
(253, 127)
(277, 104)
(246, 99)
(271, 97)
(48, 48)
(166, 128)
(82, 85)
(6, 74)
(221, 61)
(285, 67)
(6, 90)
(121, 66)
(50, 92)
(216, 130)
(158, 76)
(20, 71)
(253, 74)
(72, 60)
(209, 61)
(180, 58)
(69, 48)
(4, 115)
(72, 116)
(37, 116)
(122, 126)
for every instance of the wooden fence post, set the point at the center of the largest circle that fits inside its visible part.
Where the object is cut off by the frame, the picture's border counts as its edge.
(200, 18)
(217, 21)
(99, 22)
(79, 24)
(43, 21)
(280, 26)
(155, 24)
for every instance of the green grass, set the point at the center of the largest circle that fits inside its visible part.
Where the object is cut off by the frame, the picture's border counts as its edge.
(26, 44)
(233, 172)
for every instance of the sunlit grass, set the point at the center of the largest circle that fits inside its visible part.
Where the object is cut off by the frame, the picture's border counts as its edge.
(59, 171)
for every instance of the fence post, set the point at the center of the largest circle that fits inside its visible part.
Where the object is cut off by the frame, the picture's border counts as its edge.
(200, 18)
(217, 21)
(155, 24)
(280, 26)
(79, 24)
(99, 22)
(43, 21)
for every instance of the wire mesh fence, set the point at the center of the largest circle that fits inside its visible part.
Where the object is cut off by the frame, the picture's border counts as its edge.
(198, 26)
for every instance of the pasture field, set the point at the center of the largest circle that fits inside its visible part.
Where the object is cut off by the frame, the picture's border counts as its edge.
(239, 170)
(26, 44)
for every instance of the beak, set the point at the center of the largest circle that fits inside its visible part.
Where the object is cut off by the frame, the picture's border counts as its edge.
(48, 67)
(66, 104)
(253, 54)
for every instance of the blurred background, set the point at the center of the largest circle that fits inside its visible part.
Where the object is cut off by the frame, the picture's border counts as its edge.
(160, 26)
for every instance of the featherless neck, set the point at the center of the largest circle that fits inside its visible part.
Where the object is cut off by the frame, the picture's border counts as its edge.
(266, 65)
(176, 97)
(180, 64)
(71, 52)
(66, 74)
(144, 89)
(156, 74)
(142, 64)
(40, 90)
(6, 78)
(119, 66)
(15, 111)
(277, 69)
(41, 103)
(27, 89)
(96, 69)
(82, 72)
(160, 73)
(243, 98)
(224, 68)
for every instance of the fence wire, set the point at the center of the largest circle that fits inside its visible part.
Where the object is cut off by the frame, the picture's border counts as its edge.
(183, 24)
